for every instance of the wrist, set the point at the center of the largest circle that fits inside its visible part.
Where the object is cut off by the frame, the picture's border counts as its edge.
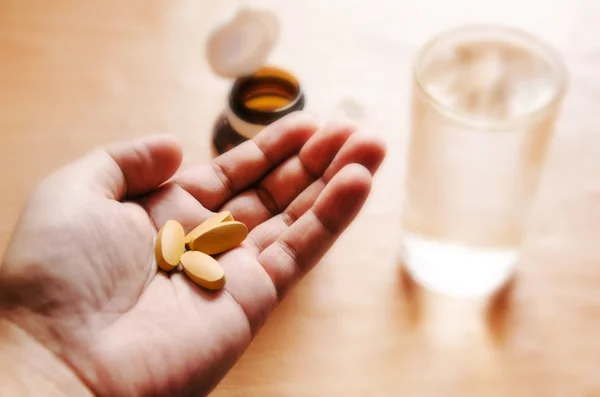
(27, 368)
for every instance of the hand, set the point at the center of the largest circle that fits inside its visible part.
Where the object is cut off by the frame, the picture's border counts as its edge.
(79, 288)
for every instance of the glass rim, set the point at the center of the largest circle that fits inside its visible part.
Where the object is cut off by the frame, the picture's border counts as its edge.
(549, 53)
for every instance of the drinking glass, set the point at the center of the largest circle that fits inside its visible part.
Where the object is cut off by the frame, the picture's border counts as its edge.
(484, 104)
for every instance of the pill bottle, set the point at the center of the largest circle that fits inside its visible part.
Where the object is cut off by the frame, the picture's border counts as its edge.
(260, 93)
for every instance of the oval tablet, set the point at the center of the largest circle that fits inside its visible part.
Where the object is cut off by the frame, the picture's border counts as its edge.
(223, 216)
(170, 245)
(220, 238)
(203, 270)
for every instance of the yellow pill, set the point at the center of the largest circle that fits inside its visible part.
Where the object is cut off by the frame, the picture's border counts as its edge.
(223, 216)
(170, 245)
(220, 238)
(203, 270)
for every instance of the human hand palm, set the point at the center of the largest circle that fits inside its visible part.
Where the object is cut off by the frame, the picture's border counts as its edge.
(79, 275)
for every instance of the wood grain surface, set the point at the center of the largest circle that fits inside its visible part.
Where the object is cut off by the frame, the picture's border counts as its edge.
(75, 74)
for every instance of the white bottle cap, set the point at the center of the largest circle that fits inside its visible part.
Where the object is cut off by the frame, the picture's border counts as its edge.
(241, 45)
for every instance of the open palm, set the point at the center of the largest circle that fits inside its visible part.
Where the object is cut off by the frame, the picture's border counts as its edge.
(79, 276)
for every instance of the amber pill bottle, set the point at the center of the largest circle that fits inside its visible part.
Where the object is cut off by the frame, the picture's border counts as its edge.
(254, 102)
(260, 93)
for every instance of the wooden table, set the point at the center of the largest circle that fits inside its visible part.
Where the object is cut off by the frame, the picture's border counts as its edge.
(75, 74)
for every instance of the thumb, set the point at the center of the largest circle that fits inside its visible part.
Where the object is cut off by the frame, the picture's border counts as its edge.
(129, 168)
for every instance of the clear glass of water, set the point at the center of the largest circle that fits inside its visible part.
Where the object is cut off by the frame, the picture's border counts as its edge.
(484, 104)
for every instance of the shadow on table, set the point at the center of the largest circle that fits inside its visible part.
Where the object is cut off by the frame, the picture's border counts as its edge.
(425, 310)
(499, 311)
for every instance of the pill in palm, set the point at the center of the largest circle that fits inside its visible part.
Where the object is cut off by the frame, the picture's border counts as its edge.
(214, 220)
(170, 245)
(219, 238)
(203, 270)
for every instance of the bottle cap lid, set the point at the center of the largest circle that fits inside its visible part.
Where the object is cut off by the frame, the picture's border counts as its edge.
(241, 45)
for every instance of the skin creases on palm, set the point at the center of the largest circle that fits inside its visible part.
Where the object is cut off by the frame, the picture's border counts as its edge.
(79, 274)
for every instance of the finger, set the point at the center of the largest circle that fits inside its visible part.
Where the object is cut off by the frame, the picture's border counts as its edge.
(366, 151)
(243, 166)
(305, 242)
(258, 288)
(277, 190)
(126, 169)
